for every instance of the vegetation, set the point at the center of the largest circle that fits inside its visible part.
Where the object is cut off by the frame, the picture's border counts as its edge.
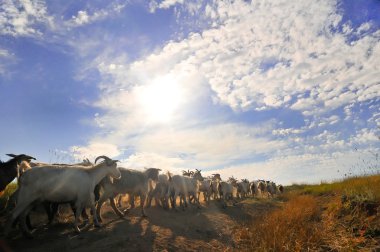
(344, 215)
(4, 195)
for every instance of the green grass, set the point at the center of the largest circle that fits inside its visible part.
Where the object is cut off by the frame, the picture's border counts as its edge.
(360, 188)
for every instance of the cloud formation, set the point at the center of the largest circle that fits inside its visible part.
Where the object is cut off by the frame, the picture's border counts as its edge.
(257, 56)
(23, 17)
(255, 88)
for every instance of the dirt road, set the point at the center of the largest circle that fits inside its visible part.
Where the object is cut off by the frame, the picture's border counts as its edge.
(205, 229)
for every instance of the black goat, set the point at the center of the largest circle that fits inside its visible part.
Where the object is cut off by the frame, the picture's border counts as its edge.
(8, 170)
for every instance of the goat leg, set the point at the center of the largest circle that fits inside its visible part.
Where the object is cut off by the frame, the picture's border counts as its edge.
(115, 209)
(143, 199)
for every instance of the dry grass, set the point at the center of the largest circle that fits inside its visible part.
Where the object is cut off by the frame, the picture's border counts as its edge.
(340, 216)
(4, 195)
(295, 227)
(360, 188)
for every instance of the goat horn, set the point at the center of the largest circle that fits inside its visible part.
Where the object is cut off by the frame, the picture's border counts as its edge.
(104, 157)
(21, 156)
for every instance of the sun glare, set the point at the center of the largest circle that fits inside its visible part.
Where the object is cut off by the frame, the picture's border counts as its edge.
(161, 99)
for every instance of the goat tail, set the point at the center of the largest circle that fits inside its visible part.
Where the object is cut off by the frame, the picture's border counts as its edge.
(169, 176)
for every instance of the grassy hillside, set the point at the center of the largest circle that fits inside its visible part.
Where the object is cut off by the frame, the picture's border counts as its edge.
(340, 216)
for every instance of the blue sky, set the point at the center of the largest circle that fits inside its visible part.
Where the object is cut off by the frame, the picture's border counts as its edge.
(281, 90)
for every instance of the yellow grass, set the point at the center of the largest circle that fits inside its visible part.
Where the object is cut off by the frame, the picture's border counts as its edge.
(340, 216)
(4, 195)
(295, 227)
(360, 188)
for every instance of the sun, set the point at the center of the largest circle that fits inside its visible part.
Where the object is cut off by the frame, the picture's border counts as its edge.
(160, 99)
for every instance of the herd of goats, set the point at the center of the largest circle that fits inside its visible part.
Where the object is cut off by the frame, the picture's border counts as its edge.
(87, 185)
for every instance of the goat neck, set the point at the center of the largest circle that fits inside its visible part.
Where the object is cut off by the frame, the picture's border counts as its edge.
(103, 169)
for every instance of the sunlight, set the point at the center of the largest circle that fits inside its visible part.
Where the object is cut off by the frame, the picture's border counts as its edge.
(160, 99)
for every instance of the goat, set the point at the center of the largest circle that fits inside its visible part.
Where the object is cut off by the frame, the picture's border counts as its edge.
(61, 184)
(52, 207)
(187, 173)
(242, 188)
(215, 189)
(132, 182)
(271, 188)
(215, 179)
(9, 170)
(205, 186)
(184, 187)
(253, 188)
(216, 176)
(159, 193)
(280, 188)
(85, 162)
(226, 192)
(261, 186)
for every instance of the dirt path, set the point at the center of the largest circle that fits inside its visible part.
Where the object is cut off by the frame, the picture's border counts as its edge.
(210, 228)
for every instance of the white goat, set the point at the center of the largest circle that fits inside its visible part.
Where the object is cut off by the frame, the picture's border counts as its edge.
(226, 192)
(61, 184)
(271, 188)
(132, 182)
(205, 186)
(159, 193)
(242, 189)
(184, 187)
(262, 188)
(254, 188)
(215, 179)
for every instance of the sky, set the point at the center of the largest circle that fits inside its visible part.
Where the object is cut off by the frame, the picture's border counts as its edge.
(281, 90)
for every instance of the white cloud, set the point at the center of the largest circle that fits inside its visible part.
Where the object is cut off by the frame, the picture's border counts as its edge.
(6, 59)
(81, 18)
(366, 136)
(305, 168)
(85, 17)
(258, 56)
(95, 149)
(267, 54)
(210, 146)
(143, 159)
(22, 17)
(165, 4)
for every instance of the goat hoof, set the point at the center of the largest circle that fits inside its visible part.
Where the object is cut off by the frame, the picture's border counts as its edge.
(27, 235)
(97, 225)
(77, 230)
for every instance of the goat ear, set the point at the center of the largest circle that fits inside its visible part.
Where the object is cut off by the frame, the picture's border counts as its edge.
(11, 155)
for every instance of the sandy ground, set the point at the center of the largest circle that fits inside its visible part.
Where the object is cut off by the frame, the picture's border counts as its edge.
(205, 229)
